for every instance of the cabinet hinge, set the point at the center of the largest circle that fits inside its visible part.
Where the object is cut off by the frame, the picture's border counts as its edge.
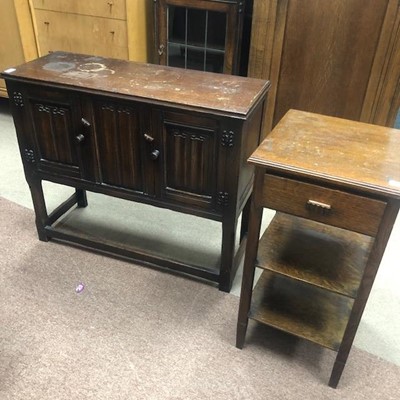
(18, 99)
(227, 138)
(29, 156)
(223, 199)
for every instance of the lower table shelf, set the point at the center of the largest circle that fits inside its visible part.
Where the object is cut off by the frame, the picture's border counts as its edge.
(306, 311)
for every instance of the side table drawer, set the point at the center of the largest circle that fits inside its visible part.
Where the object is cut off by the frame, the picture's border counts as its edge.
(329, 206)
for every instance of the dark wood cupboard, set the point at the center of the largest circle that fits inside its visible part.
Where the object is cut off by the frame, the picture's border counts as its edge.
(199, 34)
(176, 139)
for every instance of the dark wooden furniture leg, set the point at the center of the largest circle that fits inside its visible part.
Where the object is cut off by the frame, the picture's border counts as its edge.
(227, 253)
(370, 272)
(245, 219)
(81, 197)
(249, 261)
(39, 205)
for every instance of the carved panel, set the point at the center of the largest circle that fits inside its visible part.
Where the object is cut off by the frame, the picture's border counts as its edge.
(223, 199)
(18, 99)
(227, 138)
(51, 109)
(189, 159)
(29, 155)
(54, 130)
(118, 136)
(108, 107)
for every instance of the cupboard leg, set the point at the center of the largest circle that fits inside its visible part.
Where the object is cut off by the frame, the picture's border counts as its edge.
(81, 197)
(227, 254)
(39, 206)
(245, 219)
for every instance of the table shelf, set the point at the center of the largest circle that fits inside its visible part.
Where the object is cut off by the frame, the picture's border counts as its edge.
(334, 259)
(303, 310)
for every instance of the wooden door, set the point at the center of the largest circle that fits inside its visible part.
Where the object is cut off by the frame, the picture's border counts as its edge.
(52, 135)
(190, 159)
(119, 144)
(199, 34)
(337, 57)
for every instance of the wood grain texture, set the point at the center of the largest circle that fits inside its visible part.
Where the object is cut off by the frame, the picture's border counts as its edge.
(119, 144)
(102, 36)
(99, 8)
(332, 73)
(11, 49)
(227, 94)
(356, 155)
(268, 30)
(345, 210)
(300, 309)
(382, 99)
(336, 57)
(315, 253)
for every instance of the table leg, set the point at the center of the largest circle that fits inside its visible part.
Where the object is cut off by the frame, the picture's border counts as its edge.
(254, 226)
(364, 290)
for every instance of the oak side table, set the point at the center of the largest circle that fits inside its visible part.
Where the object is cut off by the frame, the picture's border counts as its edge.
(335, 186)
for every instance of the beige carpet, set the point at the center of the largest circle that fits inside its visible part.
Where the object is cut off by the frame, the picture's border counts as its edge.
(138, 333)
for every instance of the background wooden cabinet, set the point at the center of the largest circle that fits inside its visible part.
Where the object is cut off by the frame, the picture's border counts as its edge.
(17, 42)
(199, 34)
(337, 57)
(110, 28)
(89, 27)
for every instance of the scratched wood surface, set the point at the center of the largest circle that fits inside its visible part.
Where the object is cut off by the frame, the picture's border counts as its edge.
(217, 92)
(353, 154)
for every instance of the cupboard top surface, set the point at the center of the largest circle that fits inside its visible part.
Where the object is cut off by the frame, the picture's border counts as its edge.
(354, 154)
(221, 93)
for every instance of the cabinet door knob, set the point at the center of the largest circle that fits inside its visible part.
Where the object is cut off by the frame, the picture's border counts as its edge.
(148, 138)
(85, 122)
(79, 138)
(154, 154)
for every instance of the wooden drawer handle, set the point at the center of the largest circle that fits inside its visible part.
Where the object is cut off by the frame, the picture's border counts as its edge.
(321, 208)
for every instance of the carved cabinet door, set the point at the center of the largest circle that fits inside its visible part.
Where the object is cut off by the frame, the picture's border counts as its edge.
(52, 136)
(190, 160)
(119, 138)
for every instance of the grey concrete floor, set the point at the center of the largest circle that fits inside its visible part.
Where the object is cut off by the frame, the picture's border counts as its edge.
(197, 240)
